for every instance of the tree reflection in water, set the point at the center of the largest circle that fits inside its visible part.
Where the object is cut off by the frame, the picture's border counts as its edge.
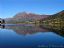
(31, 29)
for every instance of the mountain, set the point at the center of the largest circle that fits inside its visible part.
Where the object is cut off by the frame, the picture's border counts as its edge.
(28, 16)
(23, 17)
(62, 12)
(55, 22)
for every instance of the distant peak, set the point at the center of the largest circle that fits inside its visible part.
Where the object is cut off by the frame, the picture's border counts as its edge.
(25, 13)
(22, 13)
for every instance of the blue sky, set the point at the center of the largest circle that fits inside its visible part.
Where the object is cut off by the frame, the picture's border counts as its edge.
(8, 8)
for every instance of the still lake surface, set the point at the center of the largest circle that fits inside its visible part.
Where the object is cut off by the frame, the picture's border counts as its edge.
(28, 36)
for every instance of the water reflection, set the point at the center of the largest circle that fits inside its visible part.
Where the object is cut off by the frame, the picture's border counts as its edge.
(61, 33)
(25, 29)
(2, 26)
(28, 29)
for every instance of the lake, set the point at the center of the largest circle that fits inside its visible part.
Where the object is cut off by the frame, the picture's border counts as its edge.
(29, 36)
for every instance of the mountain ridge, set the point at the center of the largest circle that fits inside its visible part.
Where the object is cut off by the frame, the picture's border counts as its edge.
(30, 17)
(23, 16)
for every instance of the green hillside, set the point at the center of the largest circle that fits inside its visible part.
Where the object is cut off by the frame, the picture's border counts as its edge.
(55, 21)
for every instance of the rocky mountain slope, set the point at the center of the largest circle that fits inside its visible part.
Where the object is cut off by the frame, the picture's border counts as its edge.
(23, 17)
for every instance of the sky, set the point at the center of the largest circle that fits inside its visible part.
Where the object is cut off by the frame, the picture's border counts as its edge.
(8, 8)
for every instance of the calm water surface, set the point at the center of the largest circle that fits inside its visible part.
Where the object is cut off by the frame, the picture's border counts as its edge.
(23, 36)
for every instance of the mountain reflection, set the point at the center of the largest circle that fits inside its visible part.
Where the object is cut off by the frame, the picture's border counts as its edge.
(28, 29)
(25, 29)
